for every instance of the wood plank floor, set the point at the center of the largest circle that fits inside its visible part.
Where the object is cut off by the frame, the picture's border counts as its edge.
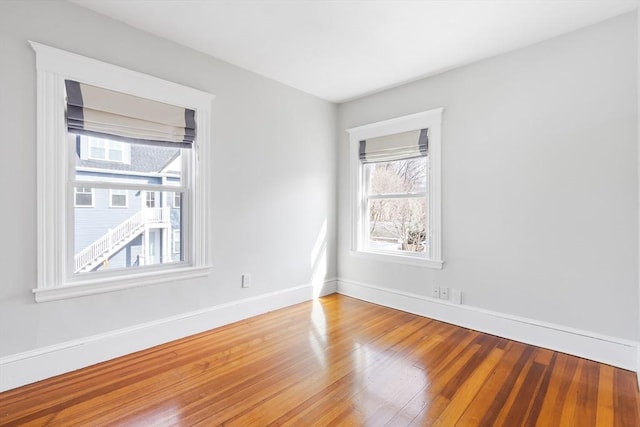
(336, 361)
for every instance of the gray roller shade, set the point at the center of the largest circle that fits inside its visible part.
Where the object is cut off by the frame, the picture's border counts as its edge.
(405, 145)
(114, 115)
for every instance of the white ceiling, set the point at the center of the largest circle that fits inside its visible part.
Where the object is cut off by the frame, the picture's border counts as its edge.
(340, 50)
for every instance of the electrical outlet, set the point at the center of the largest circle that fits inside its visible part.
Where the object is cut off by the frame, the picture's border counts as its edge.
(456, 296)
(246, 280)
(435, 291)
(444, 292)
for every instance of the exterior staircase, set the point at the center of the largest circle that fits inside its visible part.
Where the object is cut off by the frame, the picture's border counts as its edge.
(117, 238)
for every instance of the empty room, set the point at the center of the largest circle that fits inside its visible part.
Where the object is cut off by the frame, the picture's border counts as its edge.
(320, 213)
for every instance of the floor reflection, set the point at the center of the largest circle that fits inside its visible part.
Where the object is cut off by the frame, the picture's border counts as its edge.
(168, 414)
(384, 384)
(318, 333)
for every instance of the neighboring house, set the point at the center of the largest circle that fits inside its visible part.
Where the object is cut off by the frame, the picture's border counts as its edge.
(117, 227)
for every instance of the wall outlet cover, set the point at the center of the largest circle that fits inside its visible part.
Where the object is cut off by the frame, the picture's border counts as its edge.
(246, 280)
(435, 291)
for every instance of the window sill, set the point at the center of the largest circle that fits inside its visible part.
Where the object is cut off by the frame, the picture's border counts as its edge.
(398, 259)
(115, 283)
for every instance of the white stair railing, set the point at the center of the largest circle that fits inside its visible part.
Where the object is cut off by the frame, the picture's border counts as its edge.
(113, 237)
(155, 215)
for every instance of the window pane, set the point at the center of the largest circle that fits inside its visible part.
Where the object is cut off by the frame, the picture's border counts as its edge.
(97, 153)
(115, 155)
(401, 176)
(109, 239)
(119, 198)
(117, 161)
(398, 224)
(150, 199)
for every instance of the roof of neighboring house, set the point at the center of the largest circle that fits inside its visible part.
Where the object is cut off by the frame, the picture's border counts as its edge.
(144, 158)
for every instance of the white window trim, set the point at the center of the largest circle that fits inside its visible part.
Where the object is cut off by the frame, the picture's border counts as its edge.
(126, 199)
(431, 120)
(75, 200)
(54, 168)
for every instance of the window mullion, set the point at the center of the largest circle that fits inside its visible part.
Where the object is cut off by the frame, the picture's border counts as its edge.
(396, 196)
(126, 186)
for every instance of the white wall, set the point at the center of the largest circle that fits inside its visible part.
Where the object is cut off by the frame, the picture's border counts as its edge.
(540, 188)
(273, 179)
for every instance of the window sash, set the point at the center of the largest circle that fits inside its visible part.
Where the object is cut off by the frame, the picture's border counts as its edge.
(150, 199)
(365, 222)
(115, 192)
(82, 193)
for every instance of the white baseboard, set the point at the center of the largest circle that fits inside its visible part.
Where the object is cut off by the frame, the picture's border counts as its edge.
(589, 345)
(35, 365)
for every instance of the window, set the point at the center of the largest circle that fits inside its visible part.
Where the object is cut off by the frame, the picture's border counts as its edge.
(395, 200)
(177, 200)
(176, 241)
(118, 198)
(104, 149)
(395, 174)
(83, 197)
(86, 251)
(150, 199)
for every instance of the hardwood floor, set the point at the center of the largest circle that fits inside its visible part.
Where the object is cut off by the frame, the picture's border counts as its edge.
(336, 361)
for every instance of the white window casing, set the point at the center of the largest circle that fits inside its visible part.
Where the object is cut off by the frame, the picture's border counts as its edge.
(431, 120)
(113, 193)
(55, 278)
(83, 190)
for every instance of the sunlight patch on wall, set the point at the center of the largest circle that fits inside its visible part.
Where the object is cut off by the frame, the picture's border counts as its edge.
(319, 261)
